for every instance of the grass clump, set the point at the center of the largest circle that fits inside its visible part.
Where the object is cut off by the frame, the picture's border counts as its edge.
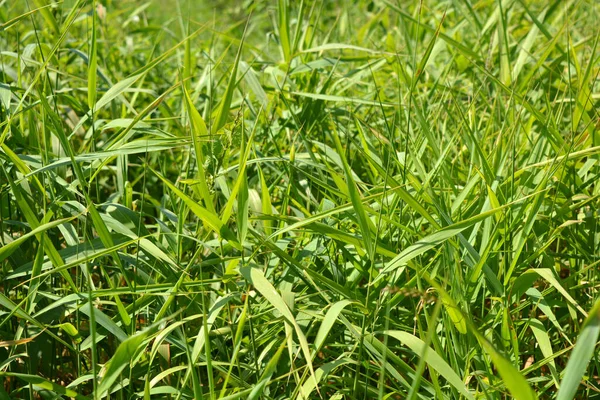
(341, 200)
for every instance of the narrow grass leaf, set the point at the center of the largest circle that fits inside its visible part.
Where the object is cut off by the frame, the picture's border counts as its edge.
(93, 62)
(199, 134)
(205, 215)
(363, 220)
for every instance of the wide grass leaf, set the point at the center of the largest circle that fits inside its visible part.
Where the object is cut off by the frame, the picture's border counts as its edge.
(581, 355)
(43, 385)
(433, 359)
(328, 321)
(9, 248)
(431, 241)
(122, 358)
(257, 278)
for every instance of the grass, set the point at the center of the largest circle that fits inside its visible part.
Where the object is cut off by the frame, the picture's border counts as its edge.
(299, 199)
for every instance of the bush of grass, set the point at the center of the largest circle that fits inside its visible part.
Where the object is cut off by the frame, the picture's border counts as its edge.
(299, 199)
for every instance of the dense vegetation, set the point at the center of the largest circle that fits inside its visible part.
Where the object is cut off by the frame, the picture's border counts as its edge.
(363, 199)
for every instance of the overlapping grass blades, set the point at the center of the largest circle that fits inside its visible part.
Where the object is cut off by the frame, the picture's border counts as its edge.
(299, 200)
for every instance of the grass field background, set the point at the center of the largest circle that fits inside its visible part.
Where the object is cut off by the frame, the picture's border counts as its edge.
(299, 199)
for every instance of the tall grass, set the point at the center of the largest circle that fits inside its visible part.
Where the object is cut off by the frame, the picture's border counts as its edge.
(299, 199)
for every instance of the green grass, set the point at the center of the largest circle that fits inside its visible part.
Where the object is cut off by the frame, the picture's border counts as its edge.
(299, 199)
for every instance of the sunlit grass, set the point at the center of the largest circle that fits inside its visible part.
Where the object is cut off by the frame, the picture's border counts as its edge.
(275, 200)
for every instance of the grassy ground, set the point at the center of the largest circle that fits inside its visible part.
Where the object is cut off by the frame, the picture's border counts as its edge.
(299, 199)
